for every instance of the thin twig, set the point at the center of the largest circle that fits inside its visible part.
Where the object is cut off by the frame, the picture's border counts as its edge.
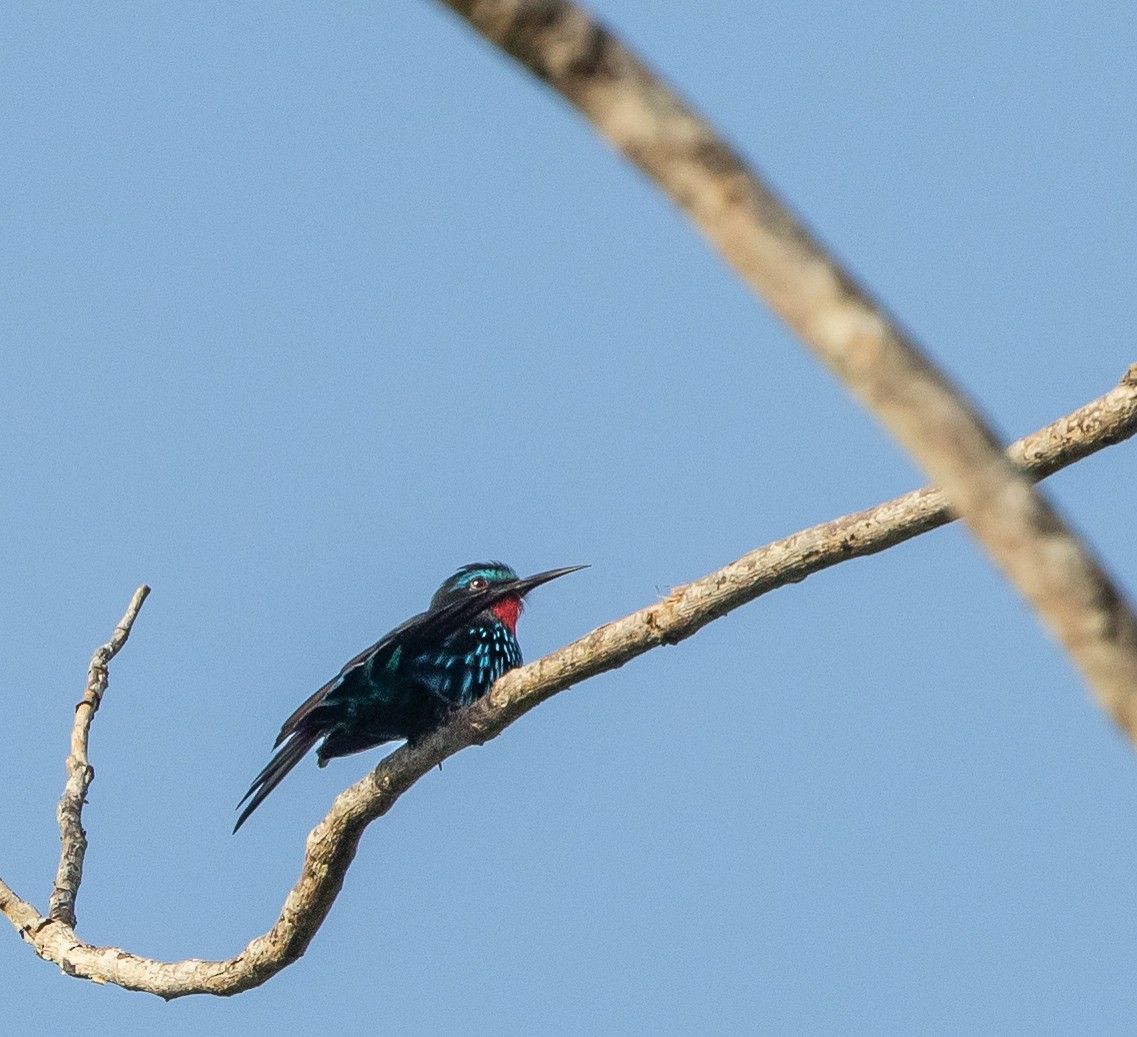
(80, 773)
(332, 843)
(776, 255)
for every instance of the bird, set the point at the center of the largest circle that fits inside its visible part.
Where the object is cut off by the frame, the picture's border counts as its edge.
(412, 678)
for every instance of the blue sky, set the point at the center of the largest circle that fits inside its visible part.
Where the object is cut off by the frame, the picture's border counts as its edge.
(306, 306)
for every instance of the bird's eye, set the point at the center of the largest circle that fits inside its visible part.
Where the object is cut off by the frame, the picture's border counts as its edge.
(479, 583)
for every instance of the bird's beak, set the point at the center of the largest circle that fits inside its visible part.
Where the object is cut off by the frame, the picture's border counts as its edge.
(524, 586)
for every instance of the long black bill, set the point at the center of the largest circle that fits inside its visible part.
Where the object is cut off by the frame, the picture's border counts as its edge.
(524, 586)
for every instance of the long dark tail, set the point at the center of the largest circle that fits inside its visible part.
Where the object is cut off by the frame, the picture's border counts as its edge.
(287, 757)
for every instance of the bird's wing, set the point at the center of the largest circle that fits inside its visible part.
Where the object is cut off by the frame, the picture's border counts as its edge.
(303, 729)
(306, 726)
(423, 629)
(380, 652)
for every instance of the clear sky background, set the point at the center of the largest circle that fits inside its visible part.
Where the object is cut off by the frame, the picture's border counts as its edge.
(303, 306)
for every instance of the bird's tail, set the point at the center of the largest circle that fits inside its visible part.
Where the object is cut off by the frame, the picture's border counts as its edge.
(287, 757)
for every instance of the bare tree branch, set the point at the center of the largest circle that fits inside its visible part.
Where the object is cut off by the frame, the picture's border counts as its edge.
(776, 255)
(332, 843)
(61, 906)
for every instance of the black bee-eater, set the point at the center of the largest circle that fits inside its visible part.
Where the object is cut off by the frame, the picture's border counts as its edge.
(406, 684)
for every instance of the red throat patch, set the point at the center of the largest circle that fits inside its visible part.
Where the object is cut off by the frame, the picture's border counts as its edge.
(507, 610)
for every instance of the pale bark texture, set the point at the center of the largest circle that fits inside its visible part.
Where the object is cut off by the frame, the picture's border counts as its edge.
(332, 843)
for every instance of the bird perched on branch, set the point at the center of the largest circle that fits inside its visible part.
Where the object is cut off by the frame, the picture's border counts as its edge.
(409, 681)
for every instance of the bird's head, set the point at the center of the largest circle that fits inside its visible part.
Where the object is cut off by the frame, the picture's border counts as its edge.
(492, 586)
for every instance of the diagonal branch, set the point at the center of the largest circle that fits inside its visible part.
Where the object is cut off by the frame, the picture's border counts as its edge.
(774, 253)
(332, 843)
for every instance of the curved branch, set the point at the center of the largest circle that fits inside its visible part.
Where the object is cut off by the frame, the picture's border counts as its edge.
(332, 843)
(775, 254)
